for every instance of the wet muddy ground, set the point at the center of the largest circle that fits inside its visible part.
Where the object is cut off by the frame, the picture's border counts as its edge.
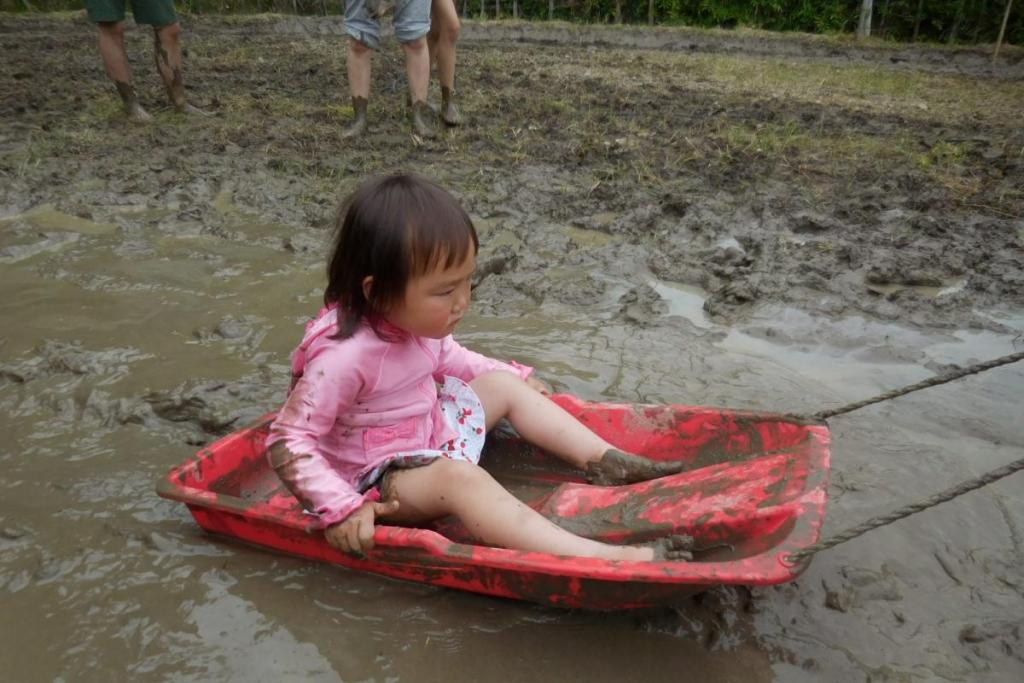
(785, 232)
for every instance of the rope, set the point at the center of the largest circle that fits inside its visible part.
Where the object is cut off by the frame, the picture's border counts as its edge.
(934, 381)
(905, 511)
(908, 510)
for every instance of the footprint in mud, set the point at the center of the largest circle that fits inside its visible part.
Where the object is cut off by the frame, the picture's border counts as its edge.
(717, 618)
(642, 305)
(247, 331)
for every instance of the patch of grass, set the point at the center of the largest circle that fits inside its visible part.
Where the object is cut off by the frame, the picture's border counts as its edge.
(235, 103)
(884, 151)
(763, 140)
(870, 88)
(99, 111)
(339, 113)
(286, 107)
(236, 58)
(555, 107)
(60, 142)
(946, 163)
(943, 155)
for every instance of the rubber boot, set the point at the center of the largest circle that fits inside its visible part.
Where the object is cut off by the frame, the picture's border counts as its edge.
(421, 117)
(449, 112)
(434, 111)
(358, 126)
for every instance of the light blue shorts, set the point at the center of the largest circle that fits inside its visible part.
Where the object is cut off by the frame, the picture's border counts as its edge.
(411, 20)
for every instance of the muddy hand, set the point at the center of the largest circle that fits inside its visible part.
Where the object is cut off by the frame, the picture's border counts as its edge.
(355, 534)
(678, 548)
(616, 467)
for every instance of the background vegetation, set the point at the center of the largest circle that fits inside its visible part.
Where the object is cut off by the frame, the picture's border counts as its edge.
(951, 21)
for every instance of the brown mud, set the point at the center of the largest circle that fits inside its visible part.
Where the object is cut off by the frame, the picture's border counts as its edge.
(617, 467)
(766, 230)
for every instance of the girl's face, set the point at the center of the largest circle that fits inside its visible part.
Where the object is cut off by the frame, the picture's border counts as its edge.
(435, 301)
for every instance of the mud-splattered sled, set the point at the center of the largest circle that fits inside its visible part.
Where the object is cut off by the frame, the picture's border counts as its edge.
(754, 490)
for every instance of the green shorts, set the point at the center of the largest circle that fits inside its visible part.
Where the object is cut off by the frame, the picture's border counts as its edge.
(152, 12)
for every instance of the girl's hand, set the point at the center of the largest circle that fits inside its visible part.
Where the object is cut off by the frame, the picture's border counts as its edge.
(539, 385)
(355, 535)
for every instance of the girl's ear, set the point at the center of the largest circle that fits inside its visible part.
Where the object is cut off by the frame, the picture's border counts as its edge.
(367, 286)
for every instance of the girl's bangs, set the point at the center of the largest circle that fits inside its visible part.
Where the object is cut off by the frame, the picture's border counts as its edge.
(440, 235)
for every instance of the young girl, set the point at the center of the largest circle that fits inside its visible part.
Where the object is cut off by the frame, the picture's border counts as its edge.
(387, 414)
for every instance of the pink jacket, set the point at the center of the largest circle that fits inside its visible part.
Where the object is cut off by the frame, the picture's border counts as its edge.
(355, 402)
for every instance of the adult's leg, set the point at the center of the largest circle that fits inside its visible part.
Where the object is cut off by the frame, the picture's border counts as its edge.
(544, 423)
(358, 63)
(115, 61)
(444, 34)
(496, 517)
(417, 69)
(167, 48)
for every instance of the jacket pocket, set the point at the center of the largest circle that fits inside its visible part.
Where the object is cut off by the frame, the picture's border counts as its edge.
(397, 437)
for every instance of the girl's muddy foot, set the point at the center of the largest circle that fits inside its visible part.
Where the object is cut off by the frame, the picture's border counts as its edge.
(678, 548)
(616, 467)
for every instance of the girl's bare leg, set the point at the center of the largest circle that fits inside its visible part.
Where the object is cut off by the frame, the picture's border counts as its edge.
(545, 424)
(495, 516)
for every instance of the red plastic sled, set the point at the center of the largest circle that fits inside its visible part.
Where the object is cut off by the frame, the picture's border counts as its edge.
(754, 491)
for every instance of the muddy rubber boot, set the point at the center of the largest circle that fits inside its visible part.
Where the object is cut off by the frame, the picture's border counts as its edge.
(449, 112)
(358, 126)
(420, 118)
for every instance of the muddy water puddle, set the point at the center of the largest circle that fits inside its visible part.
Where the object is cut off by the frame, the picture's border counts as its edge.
(109, 382)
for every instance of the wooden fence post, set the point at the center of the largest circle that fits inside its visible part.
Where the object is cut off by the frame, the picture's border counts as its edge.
(864, 25)
(1002, 31)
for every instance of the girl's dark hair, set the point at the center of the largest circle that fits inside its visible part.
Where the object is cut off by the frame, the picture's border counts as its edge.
(393, 228)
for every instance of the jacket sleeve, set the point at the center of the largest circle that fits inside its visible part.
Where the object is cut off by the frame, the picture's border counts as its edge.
(456, 360)
(328, 387)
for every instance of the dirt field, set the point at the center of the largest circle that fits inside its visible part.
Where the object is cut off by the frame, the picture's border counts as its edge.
(789, 229)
